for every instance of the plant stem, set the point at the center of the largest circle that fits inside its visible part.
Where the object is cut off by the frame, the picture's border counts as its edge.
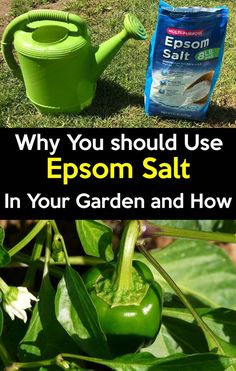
(30, 365)
(153, 230)
(54, 227)
(4, 355)
(79, 260)
(123, 274)
(20, 245)
(47, 250)
(74, 260)
(210, 336)
(58, 360)
(33, 264)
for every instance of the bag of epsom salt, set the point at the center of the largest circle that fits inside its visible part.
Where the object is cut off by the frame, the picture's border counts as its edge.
(185, 58)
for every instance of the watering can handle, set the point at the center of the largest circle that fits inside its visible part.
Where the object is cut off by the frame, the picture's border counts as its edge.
(59, 16)
(20, 23)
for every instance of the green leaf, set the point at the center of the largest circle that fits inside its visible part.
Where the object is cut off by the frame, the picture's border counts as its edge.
(176, 336)
(183, 224)
(165, 344)
(211, 225)
(13, 332)
(96, 238)
(224, 226)
(4, 256)
(202, 270)
(45, 337)
(228, 226)
(222, 321)
(196, 362)
(1, 321)
(77, 314)
(177, 362)
(178, 327)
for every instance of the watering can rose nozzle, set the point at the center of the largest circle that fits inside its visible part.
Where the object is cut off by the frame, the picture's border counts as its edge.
(134, 28)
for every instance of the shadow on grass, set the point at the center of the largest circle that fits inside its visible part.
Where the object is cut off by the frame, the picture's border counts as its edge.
(219, 115)
(110, 99)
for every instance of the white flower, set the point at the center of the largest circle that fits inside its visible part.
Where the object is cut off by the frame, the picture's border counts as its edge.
(16, 301)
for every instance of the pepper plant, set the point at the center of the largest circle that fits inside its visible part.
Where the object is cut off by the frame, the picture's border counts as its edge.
(126, 308)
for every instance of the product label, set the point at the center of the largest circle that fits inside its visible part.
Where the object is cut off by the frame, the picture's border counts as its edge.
(185, 59)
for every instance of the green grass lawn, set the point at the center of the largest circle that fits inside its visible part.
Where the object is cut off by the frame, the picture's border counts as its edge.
(119, 98)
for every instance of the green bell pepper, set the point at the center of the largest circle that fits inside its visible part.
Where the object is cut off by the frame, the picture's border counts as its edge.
(127, 299)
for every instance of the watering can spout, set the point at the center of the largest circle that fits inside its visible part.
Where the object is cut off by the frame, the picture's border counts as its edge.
(133, 28)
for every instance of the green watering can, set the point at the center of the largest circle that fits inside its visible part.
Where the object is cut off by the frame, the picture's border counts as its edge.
(57, 62)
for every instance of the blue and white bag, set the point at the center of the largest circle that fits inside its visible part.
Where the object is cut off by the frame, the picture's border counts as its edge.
(185, 59)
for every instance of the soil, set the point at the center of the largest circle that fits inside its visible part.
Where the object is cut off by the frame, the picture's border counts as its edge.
(4, 13)
(5, 7)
